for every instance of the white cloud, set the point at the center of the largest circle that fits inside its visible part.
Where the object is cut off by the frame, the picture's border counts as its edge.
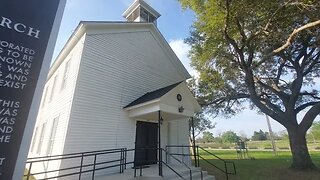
(182, 49)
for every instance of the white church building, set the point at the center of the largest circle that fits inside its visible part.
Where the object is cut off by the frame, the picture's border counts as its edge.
(114, 85)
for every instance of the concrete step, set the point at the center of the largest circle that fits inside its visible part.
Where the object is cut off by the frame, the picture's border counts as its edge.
(151, 173)
(185, 173)
(147, 178)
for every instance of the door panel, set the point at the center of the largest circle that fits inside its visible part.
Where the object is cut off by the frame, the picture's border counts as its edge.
(152, 143)
(146, 137)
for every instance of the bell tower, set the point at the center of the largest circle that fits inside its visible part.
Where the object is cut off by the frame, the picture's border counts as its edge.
(140, 11)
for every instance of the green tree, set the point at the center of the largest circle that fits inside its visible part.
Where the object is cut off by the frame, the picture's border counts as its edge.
(230, 137)
(201, 122)
(207, 137)
(265, 53)
(259, 136)
(315, 130)
(274, 135)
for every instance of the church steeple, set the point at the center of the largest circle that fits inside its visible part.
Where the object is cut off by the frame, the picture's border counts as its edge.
(140, 11)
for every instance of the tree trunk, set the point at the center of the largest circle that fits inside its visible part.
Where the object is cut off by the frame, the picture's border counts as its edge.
(300, 155)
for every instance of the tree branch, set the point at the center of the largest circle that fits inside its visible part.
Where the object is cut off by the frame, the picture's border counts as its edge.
(229, 39)
(294, 34)
(306, 105)
(243, 34)
(295, 91)
(303, 54)
(283, 96)
(225, 99)
(267, 24)
(309, 117)
(306, 58)
(312, 94)
(271, 105)
(279, 73)
(288, 42)
(314, 62)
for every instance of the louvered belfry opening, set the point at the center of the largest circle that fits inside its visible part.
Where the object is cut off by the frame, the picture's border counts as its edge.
(140, 11)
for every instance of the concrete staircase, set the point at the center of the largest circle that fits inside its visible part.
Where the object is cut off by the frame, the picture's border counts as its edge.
(151, 173)
(185, 173)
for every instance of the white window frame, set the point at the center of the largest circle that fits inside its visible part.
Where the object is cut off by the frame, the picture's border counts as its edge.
(40, 142)
(53, 87)
(65, 74)
(45, 96)
(36, 133)
(53, 132)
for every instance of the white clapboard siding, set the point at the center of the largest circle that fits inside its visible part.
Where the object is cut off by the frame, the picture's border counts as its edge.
(111, 66)
(59, 106)
(178, 134)
(116, 69)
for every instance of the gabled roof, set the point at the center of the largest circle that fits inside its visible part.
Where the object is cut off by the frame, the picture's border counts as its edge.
(152, 95)
(166, 102)
(122, 26)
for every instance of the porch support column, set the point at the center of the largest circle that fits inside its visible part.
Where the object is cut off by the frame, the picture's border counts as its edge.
(194, 143)
(159, 143)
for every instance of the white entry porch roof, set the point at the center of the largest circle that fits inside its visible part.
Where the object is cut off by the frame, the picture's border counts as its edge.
(174, 101)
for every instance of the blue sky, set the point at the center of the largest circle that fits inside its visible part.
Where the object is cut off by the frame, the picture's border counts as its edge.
(174, 24)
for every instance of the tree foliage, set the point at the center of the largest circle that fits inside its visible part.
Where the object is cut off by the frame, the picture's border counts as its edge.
(315, 130)
(201, 122)
(230, 137)
(265, 53)
(259, 136)
(207, 137)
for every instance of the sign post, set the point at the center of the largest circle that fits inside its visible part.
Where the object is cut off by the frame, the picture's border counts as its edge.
(28, 31)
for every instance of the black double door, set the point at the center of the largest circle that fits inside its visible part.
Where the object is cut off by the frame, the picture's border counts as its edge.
(146, 143)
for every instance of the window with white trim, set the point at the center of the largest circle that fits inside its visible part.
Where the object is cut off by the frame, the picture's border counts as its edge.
(43, 129)
(65, 75)
(34, 139)
(53, 87)
(45, 96)
(52, 135)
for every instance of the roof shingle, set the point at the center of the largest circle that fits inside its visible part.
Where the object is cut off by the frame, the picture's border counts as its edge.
(152, 95)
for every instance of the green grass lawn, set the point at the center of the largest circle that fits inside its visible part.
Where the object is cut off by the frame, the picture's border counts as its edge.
(261, 165)
(280, 144)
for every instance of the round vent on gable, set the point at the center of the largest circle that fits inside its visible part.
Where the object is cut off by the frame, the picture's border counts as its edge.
(179, 97)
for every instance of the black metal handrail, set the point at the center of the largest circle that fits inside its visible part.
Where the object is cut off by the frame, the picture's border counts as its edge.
(198, 156)
(173, 170)
(158, 161)
(181, 162)
(180, 154)
(227, 173)
(94, 154)
(72, 154)
(79, 170)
